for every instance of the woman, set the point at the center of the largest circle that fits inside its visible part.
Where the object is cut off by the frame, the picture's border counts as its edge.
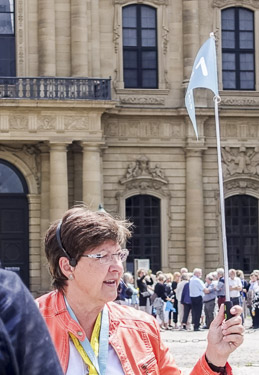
(176, 280)
(94, 335)
(143, 281)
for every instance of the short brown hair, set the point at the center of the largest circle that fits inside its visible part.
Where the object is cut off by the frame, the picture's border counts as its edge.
(81, 230)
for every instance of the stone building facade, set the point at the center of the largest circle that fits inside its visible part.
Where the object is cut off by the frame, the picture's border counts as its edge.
(127, 143)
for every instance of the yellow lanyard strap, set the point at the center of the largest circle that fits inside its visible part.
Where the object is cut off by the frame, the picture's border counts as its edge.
(94, 344)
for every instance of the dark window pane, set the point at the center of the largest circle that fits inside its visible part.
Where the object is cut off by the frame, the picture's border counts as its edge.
(129, 16)
(130, 37)
(228, 39)
(130, 59)
(148, 17)
(228, 19)
(247, 80)
(246, 40)
(7, 6)
(130, 78)
(6, 23)
(246, 20)
(228, 61)
(149, 78)
(229, 79)
(9, 180)
(148, 38)
(246, 61)
(149, 60)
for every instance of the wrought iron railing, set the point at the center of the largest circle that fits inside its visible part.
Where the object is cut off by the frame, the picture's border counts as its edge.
(55, 88)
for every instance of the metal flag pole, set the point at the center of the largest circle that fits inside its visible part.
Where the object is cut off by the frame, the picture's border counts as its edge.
(222, 204)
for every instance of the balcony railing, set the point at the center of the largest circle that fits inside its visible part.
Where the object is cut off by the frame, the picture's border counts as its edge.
(55, 88)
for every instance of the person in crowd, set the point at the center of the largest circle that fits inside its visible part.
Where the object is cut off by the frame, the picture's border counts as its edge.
(176, 280)
(255, 306)
(91, 333)
(122, 296)
(235, 287)
(187, 305)
(243, 293)
(178, 293)
(169, 292)
(197, 290)
(160, 302)
(221, 291)
(131, 292)
(184, 270)
(209, 300)
(26, 347)
(250, 294)
(143, 281)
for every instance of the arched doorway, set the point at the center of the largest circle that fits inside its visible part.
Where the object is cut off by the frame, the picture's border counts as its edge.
(145, 212)
(242, 232)
(14, 221)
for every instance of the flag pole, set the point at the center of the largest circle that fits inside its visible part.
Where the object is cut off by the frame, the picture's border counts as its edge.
(222, 201)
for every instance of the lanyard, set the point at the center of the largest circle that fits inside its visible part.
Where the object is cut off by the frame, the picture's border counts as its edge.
(99, 362)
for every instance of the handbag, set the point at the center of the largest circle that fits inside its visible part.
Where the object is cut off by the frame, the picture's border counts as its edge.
(169, 306)
(145, 294)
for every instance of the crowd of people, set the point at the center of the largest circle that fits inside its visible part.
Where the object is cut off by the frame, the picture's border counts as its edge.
(184, 301)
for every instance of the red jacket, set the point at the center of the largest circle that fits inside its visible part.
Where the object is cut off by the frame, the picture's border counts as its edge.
(134, 335)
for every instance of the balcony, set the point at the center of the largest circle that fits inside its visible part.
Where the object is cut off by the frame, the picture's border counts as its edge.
(55, 88)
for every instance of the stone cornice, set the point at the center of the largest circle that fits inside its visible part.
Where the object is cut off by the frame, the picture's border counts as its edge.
(228, 3)
(155, 2)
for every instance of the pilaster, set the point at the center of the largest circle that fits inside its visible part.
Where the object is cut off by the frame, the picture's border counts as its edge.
(58, 180)
(194, 209)
(46, 29)
(92, 176)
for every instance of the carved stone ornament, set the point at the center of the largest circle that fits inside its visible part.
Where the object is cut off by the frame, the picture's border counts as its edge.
(140, 176)
(18, 123)
(29, 155)
(241, 185)
(238, 161)
(239, 101)
(228, 3)
(142, 100)
(156, 2)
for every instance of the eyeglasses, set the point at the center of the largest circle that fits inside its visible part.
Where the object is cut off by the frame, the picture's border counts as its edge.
(106, 258)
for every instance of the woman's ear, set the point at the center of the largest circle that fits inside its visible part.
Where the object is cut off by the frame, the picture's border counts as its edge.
(65, 266)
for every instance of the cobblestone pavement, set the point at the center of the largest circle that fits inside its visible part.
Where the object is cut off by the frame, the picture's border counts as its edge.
(187, 347)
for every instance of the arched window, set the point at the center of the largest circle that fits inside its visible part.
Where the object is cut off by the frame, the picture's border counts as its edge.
(238, 55)
(144, 212)
(14, 221)
(242, 232)
(11, 180)
(7, 38)
(140, 47)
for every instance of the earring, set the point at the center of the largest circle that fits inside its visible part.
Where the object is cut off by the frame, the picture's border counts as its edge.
(71, 277)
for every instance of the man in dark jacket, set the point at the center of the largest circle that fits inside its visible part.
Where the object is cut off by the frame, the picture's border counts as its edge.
(25, 344)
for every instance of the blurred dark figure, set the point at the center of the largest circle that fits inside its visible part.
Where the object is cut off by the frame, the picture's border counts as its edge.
(25, 344)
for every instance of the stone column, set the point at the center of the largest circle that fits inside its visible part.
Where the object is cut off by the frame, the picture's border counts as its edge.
(191, 40)
(195, 256)
(79, 38)
(78, 168)
(58, 180)
(63, 48)
(46, 33)
(44, 216)
(95, 39)
(92, 175)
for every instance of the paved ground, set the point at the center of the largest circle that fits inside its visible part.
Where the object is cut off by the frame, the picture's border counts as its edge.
(187, 347)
